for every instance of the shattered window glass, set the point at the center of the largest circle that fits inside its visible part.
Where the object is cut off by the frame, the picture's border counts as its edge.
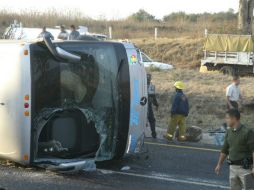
(89, 87)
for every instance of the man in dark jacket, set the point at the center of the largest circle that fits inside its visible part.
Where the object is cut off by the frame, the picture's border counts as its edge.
(151, 101)
(179, 112)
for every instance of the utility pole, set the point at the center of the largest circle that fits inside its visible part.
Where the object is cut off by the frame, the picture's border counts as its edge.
(245, 16)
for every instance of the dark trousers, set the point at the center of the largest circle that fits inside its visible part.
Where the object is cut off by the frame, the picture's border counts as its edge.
(151, 119)
(234, 104)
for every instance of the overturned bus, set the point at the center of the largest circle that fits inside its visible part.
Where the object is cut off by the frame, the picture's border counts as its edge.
(68, 104)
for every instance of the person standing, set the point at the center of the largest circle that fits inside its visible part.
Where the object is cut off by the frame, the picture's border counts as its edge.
(74, 33)
(63, 35)
(239, 147)
(179, 112)
(45, 32)
(233, 94)
(151, 101)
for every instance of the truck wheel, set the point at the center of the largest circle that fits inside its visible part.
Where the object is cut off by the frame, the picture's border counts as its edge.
(228, 70)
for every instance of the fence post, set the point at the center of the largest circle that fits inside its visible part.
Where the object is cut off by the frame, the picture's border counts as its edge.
(110, 32)
(155, 33)
(206, 32)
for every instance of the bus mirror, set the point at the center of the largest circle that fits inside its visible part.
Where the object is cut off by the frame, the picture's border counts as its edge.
(58, 52)
(66, 55)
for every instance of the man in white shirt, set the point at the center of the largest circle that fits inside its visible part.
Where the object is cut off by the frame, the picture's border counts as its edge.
(233, 94)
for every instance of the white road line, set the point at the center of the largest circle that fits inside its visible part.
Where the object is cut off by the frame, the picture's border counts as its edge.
(183, 147)
(154, 176)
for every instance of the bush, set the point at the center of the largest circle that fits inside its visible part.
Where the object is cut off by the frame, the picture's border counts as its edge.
(142, 16)
(214, 17)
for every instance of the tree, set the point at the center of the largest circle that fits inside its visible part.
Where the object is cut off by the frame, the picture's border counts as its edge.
(230, 10)
(142, 15)
(245, 16)
(175, 16)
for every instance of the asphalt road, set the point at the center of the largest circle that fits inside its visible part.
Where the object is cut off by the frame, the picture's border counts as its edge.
(166, 166)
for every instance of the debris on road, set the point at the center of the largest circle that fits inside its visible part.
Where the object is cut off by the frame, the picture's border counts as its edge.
(218, 135)
(90, 166)
(193, 134)
(125, 168)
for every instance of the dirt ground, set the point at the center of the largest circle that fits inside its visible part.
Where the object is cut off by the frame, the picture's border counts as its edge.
(206, 93)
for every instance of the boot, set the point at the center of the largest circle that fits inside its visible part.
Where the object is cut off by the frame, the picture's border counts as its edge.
(182, 139)
(154, 135)
(152, 125)
(168, 137)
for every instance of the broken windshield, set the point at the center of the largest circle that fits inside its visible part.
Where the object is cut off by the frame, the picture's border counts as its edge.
(89, 86)
(92, 82)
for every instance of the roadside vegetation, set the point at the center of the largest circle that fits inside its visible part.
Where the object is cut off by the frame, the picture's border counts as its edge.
(138, 25)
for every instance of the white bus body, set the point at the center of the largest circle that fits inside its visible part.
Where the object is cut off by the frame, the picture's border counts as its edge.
(58, 110)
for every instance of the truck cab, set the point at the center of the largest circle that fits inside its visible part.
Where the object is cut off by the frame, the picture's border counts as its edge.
(65, 105)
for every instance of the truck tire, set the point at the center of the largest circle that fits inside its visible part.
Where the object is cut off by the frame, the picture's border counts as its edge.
(228, 70)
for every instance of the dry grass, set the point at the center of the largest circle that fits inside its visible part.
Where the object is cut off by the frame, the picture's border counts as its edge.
(181, 52)
(124, 28)
(206, 93)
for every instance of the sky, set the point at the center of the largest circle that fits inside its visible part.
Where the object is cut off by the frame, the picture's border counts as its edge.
(116, 9)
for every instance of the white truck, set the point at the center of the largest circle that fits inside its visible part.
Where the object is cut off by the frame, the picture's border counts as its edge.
(230, 54)
(66, 104)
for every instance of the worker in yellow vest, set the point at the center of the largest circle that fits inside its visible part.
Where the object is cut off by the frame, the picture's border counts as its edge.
(179, 112)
